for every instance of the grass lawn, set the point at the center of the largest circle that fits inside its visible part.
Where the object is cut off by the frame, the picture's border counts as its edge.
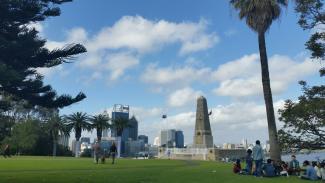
(47, 169)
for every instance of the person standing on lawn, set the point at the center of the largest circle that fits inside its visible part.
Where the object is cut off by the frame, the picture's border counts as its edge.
(113, 152)
(249, 162)
(97, 151)
(258, 157)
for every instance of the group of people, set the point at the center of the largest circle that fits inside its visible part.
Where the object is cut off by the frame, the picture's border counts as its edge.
(257, 167)
(314, 170)
(101, 154)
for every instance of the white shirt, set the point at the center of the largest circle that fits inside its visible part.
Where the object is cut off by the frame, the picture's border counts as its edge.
(322, 171)
(318, 171)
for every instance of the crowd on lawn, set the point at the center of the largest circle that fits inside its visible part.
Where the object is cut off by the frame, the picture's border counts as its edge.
(257, 167)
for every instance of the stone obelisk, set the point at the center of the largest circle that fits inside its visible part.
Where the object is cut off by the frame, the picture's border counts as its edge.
(202, 134)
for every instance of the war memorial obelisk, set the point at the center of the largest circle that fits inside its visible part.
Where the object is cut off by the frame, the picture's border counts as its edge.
(202, 135)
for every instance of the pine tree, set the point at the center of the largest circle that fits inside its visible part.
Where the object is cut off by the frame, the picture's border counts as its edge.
(22, 51)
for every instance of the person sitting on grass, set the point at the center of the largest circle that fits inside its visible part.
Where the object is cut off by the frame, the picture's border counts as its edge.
(278, 167)
(310, 173)
(322, 170)
(316, 166)
(294, 168)
(284, 169)
(269, 169)
(237, 167)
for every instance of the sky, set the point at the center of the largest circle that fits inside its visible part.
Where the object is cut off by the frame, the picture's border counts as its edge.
(159, 56)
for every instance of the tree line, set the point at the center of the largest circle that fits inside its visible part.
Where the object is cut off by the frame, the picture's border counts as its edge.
(36, 131)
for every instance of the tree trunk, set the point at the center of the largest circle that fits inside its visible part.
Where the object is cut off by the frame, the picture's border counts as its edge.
(77, 149)
(275, 151)
(99, 134)
(54, 148)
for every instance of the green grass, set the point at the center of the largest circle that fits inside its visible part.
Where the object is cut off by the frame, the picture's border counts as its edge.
(78, 170)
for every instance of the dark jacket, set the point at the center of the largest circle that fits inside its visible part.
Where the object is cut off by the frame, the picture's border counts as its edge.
(113, 149)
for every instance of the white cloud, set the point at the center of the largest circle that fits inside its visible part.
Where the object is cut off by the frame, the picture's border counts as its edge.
(239, 78)
(144, 113)
(51, 45)
(182, 120)
(120, 46)
(38, 26)
(242, 77)
(245, 66)
(143, 35)
(50, 72)
(118, 63)
(239, 87)
(174, 75)
(77, 35)
(183, 97)
(92, 60)
(237, 115)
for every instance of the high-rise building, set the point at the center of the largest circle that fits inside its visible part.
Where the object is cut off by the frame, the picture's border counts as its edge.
(120, 111)
(167, 138)
(144, 138)
(179, 139)
(133, 128)
(129, 133)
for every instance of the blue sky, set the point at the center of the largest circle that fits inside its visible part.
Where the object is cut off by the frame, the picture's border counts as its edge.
(158, 56)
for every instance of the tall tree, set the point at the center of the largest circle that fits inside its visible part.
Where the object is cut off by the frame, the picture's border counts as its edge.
(304, 120)
(78, 122)
(22, 51)
(100, 122)
(259, 15)
(312, 17)
(57, 127)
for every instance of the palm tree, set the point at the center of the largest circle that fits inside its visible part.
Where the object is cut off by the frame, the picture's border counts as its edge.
(57, 126)
(259, 15)
(100, 122)
(78, 121)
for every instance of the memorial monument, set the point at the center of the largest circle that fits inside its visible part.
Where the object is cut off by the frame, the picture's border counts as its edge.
(202, 134)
